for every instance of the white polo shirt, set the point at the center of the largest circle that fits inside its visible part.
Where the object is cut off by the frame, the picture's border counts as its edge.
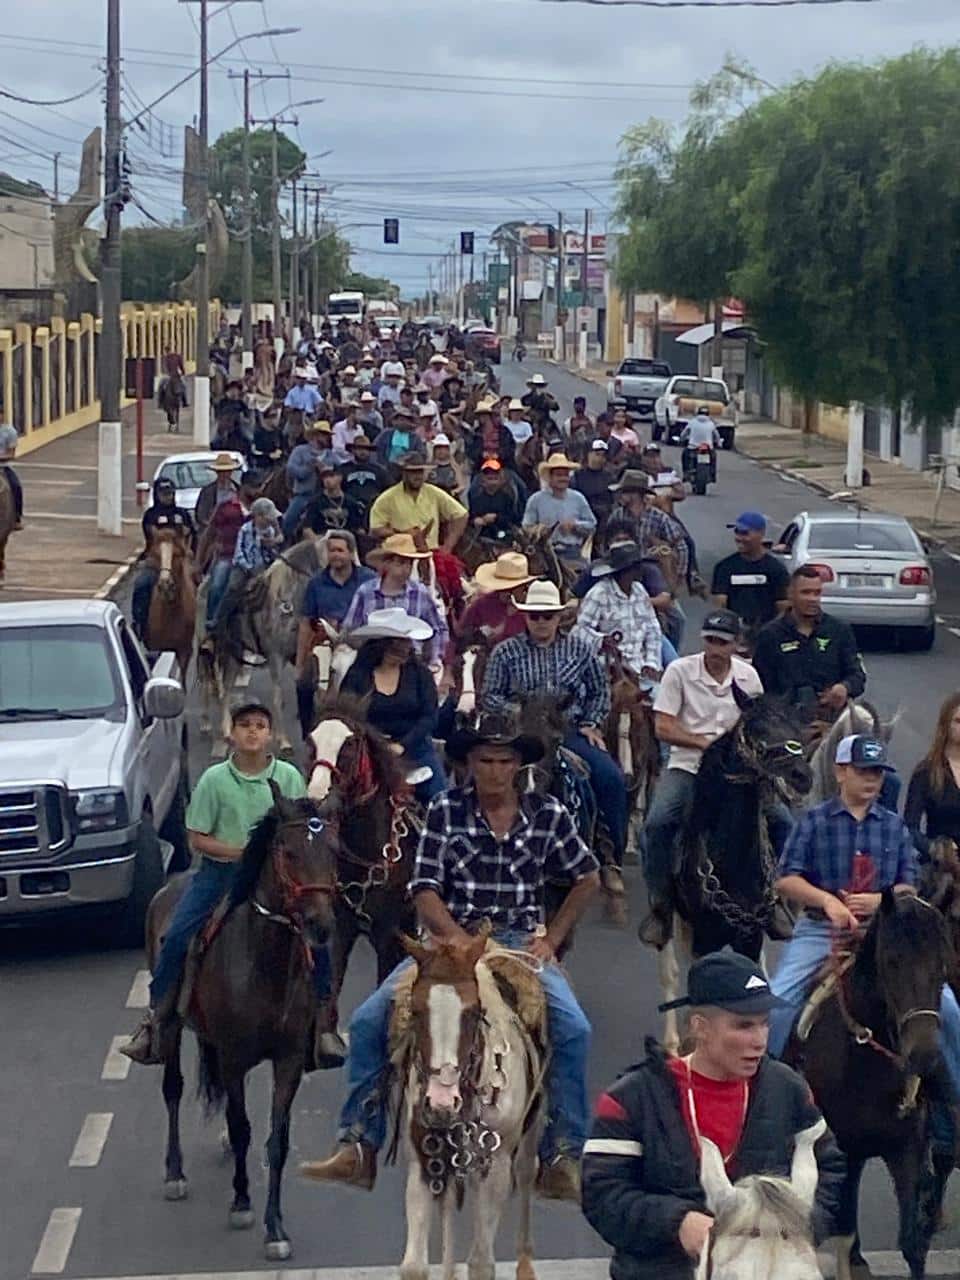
(701, 704)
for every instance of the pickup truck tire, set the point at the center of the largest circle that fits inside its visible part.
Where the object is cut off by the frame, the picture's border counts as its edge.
(147, 880)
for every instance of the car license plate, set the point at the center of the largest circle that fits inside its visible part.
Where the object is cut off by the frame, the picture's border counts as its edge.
(883, 582)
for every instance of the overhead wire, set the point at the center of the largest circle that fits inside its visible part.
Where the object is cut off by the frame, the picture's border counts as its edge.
(52, 102)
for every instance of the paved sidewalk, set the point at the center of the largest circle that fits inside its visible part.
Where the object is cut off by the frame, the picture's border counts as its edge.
(820, 463)
(60, 553)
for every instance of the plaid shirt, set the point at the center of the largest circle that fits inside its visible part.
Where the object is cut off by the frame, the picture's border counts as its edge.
(256, 550)
(414, 600)
(480, 877)
(822, 844)
(606, 609)
(654, 527)
(518, 666)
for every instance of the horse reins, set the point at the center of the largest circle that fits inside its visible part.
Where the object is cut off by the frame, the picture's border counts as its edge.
(292, 890)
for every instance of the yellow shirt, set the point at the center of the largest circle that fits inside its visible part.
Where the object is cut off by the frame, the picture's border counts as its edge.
(403, 511)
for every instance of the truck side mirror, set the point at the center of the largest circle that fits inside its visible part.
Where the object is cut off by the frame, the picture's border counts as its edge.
(163, 698)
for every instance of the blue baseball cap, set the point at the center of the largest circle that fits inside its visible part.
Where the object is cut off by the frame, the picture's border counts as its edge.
(749, 522)
(863, 752)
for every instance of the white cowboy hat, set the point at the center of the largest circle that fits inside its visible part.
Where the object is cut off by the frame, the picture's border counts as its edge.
(390, 624)
(516, 405)
(543, 597)
(393, 369)
(507, 572)
(536, 380)
(427, 410)
(557, 462)
(441, 438)
(437, 359)
(349, 369)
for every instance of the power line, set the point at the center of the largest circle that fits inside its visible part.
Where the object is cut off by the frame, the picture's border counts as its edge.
(53, 102)
(708, 4)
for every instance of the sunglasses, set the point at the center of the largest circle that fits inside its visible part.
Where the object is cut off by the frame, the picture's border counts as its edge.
(542, 617)
(719, 640)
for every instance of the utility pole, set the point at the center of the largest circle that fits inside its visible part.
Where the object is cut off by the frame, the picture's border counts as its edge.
(276, 264)
(581, 329)
(110, 438)
(56, 177)
(317, 308)
(201, 381)
(559, 334)
(294, 270)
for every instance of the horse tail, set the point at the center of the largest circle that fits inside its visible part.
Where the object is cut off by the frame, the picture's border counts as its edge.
(210, 1085)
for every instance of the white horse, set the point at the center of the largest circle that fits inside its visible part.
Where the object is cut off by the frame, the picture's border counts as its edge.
(468, 1057)
(762, 1228)
(856, 717)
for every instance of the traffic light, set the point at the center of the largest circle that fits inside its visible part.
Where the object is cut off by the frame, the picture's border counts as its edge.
(391, 231)
(551, 237)
(466, 242)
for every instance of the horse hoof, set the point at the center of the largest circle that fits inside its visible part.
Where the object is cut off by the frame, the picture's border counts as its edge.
(241, 1219)
(277, 1250)
(175, 1189)
(206, 728)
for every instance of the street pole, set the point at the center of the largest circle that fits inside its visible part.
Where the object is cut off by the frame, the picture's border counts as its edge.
(581, 331)
(247, 243)
(110, 438)
(201, 381)
(316, 255)
(294, 272)
(558, 333)
(854, 469)
(276, 265)
(56, 177)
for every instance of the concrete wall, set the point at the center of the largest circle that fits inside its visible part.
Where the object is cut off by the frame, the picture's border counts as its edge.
(26, 243)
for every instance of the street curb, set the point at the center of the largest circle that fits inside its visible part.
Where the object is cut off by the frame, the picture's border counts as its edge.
(116, 579)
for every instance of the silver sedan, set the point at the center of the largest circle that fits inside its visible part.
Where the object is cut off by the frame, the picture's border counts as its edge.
(874, 568)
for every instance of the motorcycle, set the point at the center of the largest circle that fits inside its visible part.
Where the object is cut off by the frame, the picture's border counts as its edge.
(700, 468)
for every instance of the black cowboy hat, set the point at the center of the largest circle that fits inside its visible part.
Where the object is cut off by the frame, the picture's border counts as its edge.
(622, 556)
(493, 729)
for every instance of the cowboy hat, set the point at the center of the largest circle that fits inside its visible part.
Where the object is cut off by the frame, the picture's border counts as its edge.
(516, 406)
(389, 624)
(557, 462)
(493, 729)
(427, 410)
(503, 574)
(543, 597)
(367, 397)
(487, 405)
(349, 369)
(619, 557)
(320, 427)
(224, 462)
(441, 439)
(398, 544)
(536, 380)
(437, 359)
(632, 481)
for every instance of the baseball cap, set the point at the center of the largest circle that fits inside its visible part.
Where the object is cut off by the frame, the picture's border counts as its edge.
(441, 438)
(491, 464)
(721, 622)
(863, 752)
(599, 446)
(727, 980)
(651, 447)
(749, 522)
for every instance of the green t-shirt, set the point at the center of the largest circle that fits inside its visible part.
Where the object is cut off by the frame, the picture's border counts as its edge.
(226, 803)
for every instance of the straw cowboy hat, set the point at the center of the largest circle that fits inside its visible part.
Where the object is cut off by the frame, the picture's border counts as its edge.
(504, 574)
(494, 729)
(224, 462)
(437, 359)
(543, 597)
(389, 624)
(557, 462)
(398, 544)
(488, 405)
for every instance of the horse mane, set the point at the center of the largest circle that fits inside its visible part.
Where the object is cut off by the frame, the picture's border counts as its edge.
(756, 1197)
(257, 850)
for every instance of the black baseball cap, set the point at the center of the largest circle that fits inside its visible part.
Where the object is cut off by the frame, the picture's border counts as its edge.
(863, 752)
(247, 708)
(730, 981)
(721, 622)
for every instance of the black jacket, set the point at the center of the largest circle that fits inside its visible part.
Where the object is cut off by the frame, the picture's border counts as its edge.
(641, 1176)
(796, 666)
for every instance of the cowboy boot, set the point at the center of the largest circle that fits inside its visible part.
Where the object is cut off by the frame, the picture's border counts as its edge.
(353, 1163)
(150, 1041)
(559, 1179)
(611, 878)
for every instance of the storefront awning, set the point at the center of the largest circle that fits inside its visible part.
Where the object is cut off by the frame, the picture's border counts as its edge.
(705, 332)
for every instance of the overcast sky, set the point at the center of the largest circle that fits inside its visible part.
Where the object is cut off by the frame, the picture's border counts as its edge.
(551, 89)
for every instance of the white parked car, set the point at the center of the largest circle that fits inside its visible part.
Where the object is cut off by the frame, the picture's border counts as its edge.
(683, 395)
(874, 568)
(190, 472)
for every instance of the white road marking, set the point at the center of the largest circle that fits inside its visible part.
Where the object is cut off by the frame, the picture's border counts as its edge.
(116, 1066)
(939, 619)
(116, 577)
(953, 556)
(91, 1140)
(51, 1257)
(139, 997)
(954, 631)
(243, 679)
(940, 1262)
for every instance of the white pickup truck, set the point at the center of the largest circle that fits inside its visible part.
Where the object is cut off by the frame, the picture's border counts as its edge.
(93, 770)
(683, 395)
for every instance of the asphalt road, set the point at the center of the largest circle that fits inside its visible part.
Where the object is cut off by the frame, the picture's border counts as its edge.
(84, 1137)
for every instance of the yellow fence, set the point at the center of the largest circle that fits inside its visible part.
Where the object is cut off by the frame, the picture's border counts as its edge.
(48, 373)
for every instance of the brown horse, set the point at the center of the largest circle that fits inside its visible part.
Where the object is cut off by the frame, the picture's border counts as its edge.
(630, 736)
(172, 615)
(8, 518)
(253, 995)
(353, 763)
(170, 400)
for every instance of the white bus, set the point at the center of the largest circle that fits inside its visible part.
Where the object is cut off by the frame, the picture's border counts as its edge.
(349, 305)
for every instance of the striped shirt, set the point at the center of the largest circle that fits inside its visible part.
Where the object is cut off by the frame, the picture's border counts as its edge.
(518, 666)
(256, 549)
(606, 610)
(822, 844)
(414, 600)
(481, 877)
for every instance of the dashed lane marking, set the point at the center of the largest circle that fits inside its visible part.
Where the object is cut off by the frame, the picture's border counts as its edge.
(954, 631)
(116, 1066)
(243, 679)
(116, 578)
(51, 1257)
(953, 556)
(139, 997)
(91, 1140)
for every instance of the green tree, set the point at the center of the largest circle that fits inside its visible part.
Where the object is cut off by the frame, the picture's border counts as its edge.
(154, 260)
(226, 174)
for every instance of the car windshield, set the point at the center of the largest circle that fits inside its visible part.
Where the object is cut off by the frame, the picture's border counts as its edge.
(644, 369)
(862, 535)
(190, 475)
(698, 389)
(344, 307)
(62, 670)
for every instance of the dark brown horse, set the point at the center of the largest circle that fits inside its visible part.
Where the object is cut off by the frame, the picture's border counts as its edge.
(351, 763)
(170, 399)
(253, 997)
(171, 619)
(629, 734)
(873, 1060)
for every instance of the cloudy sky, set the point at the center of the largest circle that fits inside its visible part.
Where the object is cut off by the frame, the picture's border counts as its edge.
(450, 115)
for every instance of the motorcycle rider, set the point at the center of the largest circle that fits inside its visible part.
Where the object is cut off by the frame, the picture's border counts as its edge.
(701, 429)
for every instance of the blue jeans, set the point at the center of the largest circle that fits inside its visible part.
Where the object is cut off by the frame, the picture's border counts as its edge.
(219, 577)
(668, 652)
(799, 962)
(363, 1117)
(204, 890)
(16, 488)
(291, 517)
(140, 600)
(609, 786)
(425, 753)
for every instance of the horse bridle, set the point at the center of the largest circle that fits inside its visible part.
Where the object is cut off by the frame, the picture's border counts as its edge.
(292, 890)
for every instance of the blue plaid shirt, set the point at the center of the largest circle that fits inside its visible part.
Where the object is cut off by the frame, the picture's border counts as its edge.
(415, 600)
(518, 666)
(480, 877)
(822, 844)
